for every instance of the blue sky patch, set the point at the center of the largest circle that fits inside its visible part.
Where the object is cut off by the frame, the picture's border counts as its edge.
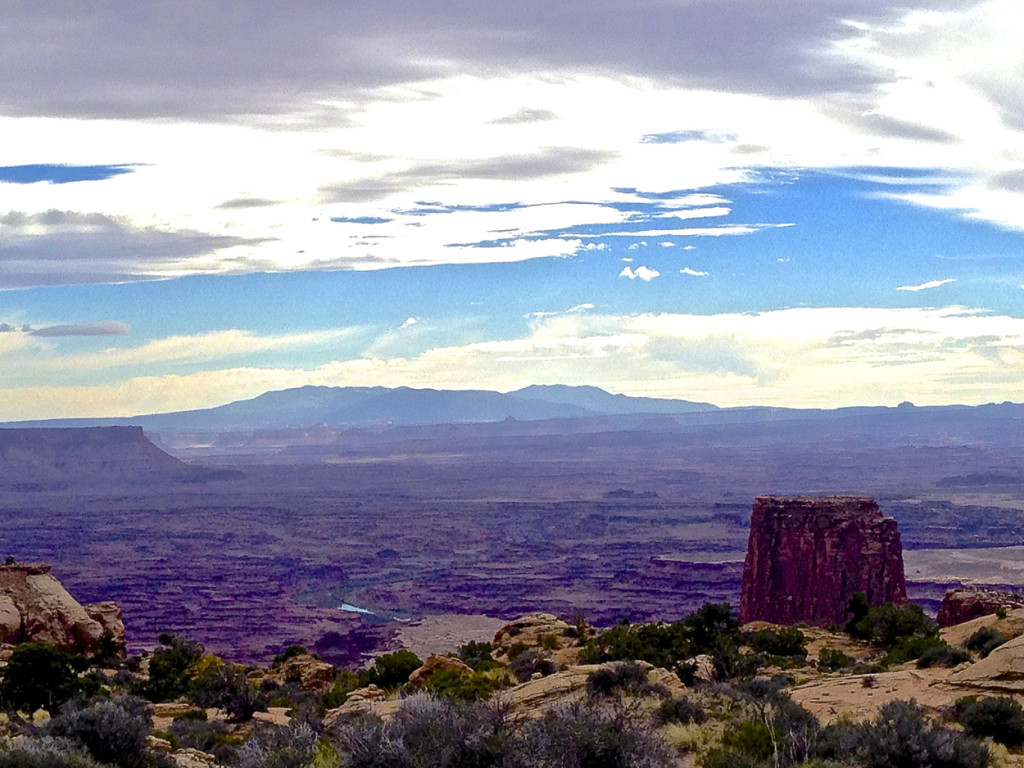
(60, 174)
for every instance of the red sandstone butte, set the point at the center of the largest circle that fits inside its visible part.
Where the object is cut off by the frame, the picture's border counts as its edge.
(808, 556)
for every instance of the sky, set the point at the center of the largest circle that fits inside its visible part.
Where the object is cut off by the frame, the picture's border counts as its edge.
(815, 203)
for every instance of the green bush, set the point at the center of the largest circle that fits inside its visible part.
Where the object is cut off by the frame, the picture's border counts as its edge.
(391, 670)
(39, 675)
(751, 739)
(785, 641)
(985, 640)
(453, 684)
(887, 624)
(473, 654)
(913, 647)
(167, 669)
(626, 677)
(1001, 719)
(943, 656)
(832, 660)
(708, 630)
(530, 662)
(680, 710)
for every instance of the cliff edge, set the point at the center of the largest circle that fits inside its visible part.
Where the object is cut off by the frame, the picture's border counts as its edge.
(44, 457)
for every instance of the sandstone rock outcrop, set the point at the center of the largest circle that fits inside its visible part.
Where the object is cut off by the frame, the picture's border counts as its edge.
(806, 558)
(960, 605)
(419, 677)
(534, 630)
(305, 670)
(34, 607)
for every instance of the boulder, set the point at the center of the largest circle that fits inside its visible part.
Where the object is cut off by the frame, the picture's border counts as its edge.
(535, 630)
(193, 758)
(960, 605)
(806, 557)
(34, 607)
(370, 699)
(434, 664)
(305, 670)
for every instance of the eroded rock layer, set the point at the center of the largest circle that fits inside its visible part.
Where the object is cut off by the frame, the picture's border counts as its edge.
(960, 605)
(806, 557)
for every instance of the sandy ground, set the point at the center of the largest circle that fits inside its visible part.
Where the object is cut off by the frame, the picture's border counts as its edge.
(446, 633)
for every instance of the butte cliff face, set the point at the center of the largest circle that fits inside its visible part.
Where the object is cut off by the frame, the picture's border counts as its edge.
(42, 458)
(34, 607)
(808, 556)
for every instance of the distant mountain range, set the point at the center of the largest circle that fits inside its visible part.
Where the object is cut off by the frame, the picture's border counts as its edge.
(402, 406)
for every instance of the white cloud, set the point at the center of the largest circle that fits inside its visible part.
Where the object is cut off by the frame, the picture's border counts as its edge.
(409, 321)
(642, 273)
(203, 347)
(794, 357)
(926, 286)
(667, 244)
(689, 247)
(692, 272)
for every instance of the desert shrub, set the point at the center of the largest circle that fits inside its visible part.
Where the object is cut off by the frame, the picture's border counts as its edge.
(901, 736)
(454, 684)
(723, 757)
(751, 739)
(549, 642)
(292, 746)
(111, 731)
(429, 732)
(390, 670)
(196, 713)
(168, 678)
(474, 653)
(43, 753)
(984, 641)
(709, 624)
(39, 675)
(1000, 718)
(785, 641)
(730, 663)
(582, 735)
(226, 686)
(627, 677)
(943, 656)
(213, 736)
(832, 660)
(887, 624)
(912, 647)
(680, 710)
(706, 630)
(530, 662)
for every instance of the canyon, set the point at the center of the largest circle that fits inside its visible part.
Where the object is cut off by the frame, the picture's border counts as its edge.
(252, 541)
